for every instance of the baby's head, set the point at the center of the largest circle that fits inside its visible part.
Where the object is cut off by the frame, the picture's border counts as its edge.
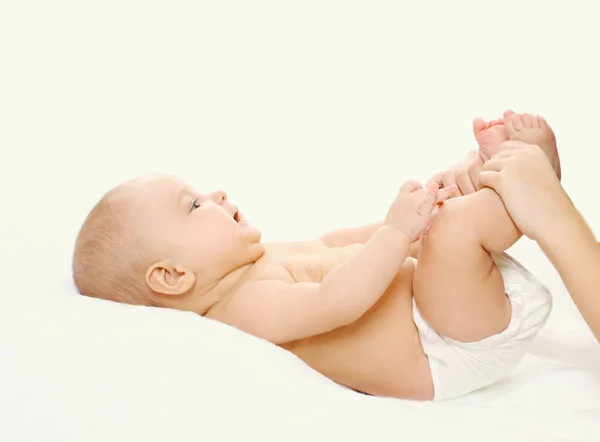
(156, 241)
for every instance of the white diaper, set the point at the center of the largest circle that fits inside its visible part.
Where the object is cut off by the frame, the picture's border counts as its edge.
(457, 367)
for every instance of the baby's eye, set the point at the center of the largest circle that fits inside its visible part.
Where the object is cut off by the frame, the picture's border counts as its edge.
(195, 205)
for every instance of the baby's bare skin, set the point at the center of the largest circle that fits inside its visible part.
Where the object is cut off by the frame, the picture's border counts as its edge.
(382, 348)
(204, 257)
(343, 303)
(380, 353)
(276, 291)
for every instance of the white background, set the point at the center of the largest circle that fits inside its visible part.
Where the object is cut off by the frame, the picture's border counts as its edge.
(309, 114)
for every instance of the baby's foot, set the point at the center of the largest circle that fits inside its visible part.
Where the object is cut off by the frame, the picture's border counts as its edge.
(533, 129)
(489, 135)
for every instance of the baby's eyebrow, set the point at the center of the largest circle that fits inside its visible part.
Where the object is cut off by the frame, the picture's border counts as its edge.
(183, 193)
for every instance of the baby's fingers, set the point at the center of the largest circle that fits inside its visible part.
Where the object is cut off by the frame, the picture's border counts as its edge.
(428, 200)
(446, 193)
(410, 187)
(438, 179)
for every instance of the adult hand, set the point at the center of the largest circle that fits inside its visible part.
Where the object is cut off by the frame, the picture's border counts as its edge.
(525, 180)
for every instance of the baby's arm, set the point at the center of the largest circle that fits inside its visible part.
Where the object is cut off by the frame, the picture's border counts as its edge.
(350, 235)
(360, 235)
(282, 312)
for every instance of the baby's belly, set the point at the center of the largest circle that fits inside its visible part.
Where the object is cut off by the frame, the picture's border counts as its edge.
(379, 354)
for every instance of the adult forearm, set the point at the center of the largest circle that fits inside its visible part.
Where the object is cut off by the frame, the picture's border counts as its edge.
(356, 285)
(573, 250)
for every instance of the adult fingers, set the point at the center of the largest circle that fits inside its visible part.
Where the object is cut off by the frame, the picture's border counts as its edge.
(464, 182)
(449, 178)
(514, 145)
(495, 164)
(489, 178)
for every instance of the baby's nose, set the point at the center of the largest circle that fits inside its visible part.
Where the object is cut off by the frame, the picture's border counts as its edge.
(219, 197)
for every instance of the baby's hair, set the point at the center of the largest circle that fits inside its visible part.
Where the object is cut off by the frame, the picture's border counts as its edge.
(107, 263)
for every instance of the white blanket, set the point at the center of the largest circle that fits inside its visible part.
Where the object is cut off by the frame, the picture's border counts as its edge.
(75, 368)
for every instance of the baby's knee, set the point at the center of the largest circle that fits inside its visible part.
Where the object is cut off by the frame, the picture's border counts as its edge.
(480, 217)
(468, 216)
(450, 223)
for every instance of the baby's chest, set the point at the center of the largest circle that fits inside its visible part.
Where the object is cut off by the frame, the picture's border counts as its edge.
(313, 267)
(295, 268)
(303, 264)
(307, 267)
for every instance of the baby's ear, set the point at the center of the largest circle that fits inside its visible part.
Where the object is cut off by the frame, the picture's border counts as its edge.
(167, 279)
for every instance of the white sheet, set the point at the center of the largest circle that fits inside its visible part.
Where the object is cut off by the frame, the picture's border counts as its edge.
(93, 370)
(75, 368)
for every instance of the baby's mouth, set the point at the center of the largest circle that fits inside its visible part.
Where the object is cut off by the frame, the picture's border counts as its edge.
(236, 216)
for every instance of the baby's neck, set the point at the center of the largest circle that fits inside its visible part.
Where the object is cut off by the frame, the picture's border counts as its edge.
(223, 288)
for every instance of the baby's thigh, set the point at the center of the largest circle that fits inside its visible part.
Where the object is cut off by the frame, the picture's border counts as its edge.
(458, 289)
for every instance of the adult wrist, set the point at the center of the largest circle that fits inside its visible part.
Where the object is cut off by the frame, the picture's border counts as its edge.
(565, 228)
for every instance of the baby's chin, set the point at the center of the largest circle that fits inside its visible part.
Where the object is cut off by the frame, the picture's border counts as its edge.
(252, 232)
(258, 236)
(257, 248)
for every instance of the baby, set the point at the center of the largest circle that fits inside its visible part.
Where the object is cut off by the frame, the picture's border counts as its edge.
(356, 304)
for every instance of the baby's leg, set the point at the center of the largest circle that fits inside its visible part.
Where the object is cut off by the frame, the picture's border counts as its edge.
(458, 288)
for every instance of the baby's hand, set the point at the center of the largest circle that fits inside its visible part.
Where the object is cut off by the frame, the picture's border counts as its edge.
(464, 174)
(411, 210)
